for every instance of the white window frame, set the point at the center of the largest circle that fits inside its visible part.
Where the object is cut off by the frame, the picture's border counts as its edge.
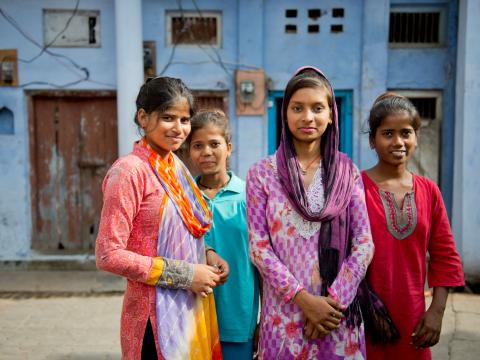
(216, 14)
(79, 13)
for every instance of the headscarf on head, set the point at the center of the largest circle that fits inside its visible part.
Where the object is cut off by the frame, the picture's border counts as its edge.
(334, 239)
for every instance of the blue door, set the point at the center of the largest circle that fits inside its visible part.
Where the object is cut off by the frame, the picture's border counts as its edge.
(343, 98)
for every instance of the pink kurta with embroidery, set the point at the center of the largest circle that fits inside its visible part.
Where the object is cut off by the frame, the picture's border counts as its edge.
(127, 241)
(284, 247)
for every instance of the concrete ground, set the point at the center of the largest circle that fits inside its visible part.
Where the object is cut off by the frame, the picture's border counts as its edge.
(76, 315)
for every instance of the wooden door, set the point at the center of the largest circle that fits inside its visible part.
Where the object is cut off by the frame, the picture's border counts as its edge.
(73, 143)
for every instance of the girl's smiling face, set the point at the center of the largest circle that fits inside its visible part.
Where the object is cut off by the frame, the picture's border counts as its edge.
(209, 150)
(395, 139)
(166, 131)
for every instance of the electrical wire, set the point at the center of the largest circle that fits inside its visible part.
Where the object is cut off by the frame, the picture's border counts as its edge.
(58, 57)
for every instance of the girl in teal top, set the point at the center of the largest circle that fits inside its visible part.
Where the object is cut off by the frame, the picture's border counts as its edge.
(237, 300)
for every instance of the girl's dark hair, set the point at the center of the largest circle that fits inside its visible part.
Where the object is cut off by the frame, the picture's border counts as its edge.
(206, 118)
(390, 103)
(160, 93)
(306, 79)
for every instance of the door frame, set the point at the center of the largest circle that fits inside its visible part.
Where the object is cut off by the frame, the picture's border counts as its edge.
(345, 120)
(30, 95)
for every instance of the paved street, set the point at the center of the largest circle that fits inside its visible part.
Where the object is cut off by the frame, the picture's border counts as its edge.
(82, 322)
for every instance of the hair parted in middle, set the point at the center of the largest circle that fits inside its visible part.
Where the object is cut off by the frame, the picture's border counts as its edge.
(391, 103)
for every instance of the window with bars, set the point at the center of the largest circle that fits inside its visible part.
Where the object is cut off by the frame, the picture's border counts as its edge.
(416, 28)
(207, 100)
(426, 107)
(194, 28)
(426, 159)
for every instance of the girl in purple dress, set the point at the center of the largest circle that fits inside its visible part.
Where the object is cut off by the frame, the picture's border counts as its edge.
(309, 232)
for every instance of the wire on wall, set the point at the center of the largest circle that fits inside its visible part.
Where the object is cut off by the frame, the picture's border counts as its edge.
(69, 63)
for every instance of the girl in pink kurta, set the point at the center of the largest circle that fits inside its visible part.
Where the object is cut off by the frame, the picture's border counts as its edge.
(151, 232)
(408, 220)
(309, 232)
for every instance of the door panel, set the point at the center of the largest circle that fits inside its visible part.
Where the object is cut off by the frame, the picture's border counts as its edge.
(75, 141)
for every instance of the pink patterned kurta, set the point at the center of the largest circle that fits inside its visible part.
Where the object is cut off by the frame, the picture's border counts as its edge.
(127, 241)
(284, 247)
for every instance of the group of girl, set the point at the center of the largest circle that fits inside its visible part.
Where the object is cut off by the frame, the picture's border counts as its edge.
(303, 228)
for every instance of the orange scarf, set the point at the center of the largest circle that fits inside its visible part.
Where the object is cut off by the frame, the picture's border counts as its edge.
(176, 179)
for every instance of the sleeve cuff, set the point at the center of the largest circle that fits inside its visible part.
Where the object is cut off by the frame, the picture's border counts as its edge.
(177, 274)
(288, 298)
(155, 271)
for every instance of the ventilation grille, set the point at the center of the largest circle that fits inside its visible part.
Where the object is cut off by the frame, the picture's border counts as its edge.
(415, 27)
(194, 30)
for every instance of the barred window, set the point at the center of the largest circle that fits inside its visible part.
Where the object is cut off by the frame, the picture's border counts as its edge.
(416, 28)
(194, 28)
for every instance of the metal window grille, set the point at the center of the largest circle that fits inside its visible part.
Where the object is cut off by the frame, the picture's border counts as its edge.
(190, 28)
(426, 107)
(208, 100)
(415, 27)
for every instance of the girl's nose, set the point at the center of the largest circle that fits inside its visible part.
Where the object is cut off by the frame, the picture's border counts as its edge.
(309, 116)
(206, 150)
(177, 125)
(397, 140)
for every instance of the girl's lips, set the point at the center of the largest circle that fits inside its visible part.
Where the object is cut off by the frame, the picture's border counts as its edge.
(207, 163)
(307, 130)
(398, 153)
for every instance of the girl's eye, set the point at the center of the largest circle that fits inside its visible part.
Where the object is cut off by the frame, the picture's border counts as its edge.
(185, 120)
(197, 146)
(296, 109)
(318, 109)
(407, 133)
(387, 133)
(166, 118)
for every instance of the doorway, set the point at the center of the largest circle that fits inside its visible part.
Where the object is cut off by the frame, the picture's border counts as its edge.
(73, 142)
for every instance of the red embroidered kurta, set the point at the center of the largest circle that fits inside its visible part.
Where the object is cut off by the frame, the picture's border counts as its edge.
(399, 267)
(127, 241)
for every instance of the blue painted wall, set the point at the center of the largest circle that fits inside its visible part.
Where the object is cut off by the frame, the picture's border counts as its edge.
(357, 60)
(432, 69)
(15, 203)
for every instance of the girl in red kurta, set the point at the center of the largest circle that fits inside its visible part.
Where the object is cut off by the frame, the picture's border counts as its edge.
(408, 220)
(151, 232)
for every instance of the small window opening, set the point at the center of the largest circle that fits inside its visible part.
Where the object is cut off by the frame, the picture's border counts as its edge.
(92, 22)
(338, 12)
(314, 28)
(314, 13)
(336, 28)
(189, 28)
(290, 29)
(426, 107)
(291, 13)
(6, 121)
(415, 27)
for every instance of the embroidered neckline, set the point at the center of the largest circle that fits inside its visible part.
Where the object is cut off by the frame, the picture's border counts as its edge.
(401, 222)
(316, 199)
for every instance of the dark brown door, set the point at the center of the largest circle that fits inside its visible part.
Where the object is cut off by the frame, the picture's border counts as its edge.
(74, 142)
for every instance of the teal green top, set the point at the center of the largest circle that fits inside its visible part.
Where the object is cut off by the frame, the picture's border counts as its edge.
(237, 300)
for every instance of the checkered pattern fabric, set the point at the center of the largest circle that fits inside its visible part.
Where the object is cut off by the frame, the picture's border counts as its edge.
(288, 263)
